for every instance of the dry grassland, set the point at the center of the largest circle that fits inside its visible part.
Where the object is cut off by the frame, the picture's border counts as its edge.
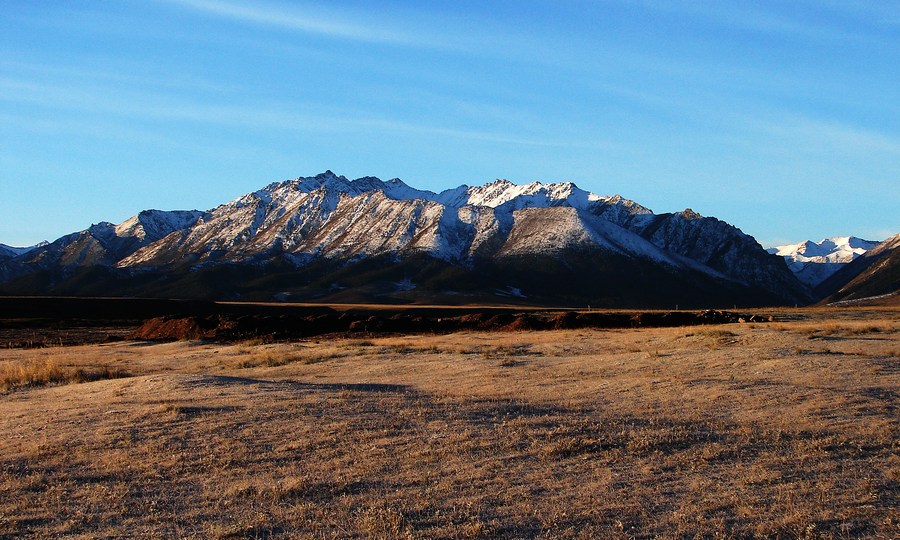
(781, 430)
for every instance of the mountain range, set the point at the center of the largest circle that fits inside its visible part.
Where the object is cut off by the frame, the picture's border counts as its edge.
(331, 239)
(814, 262)
(872, 277)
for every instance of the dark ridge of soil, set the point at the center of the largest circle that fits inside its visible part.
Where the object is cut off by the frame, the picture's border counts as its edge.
(62, 334)
(53, 321)
(230, 328)
(51, 308)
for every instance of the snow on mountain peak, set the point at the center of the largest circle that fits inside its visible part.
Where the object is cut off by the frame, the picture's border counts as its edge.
(13, 251)
(504, 192)
(330, 216)
(832, 249)
(321, 215)
(813, 262)
(154, 224)
(495, 194)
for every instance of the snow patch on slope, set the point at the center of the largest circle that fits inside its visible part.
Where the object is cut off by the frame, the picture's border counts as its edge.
(155, 224)
(814, 262)
(13, 251)
(330, 216)
(549, 230)
(535, 194)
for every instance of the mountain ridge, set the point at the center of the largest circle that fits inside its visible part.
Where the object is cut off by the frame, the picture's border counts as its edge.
(814, 262)
(327, 217)
(875, 273)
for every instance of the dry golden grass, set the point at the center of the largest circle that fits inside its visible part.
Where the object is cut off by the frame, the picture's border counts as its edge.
(47, 369)
(784, 430)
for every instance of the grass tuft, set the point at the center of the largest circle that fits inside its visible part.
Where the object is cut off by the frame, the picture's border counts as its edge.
(44, 371)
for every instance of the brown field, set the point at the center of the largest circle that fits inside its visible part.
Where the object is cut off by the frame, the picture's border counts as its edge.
(783, 430)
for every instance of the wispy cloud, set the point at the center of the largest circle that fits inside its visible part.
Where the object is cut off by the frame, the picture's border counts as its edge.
(883, 13)
(295, 17)
(415, 27)
(79, 74)
(751, 16)
(830, 136)
(293, 117)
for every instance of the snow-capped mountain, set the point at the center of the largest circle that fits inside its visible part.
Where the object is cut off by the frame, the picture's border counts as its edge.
(814, 262)
(328, 221)
(872, 276)
(8, 252)
(101, 244)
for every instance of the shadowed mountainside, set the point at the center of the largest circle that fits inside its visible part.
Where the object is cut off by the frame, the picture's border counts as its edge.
(365, 240)
(874, 274)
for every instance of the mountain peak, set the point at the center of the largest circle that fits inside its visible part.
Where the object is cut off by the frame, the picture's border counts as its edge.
(814, 262)
(13, 251)
(154, 224)
(327, 217)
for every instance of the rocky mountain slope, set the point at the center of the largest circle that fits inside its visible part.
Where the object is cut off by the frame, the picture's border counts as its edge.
(9, 252)
(102, 244)
(330, 237)
(814, 262)
(876, 273)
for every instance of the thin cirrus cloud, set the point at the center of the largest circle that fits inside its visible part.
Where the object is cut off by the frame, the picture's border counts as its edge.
(826, 136)
(81, 74)
(298, 19)
(842, 136)
(488, 41)
(754, 18)
(272, 116)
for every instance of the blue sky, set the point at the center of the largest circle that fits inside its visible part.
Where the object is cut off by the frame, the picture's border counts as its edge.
(782, 118)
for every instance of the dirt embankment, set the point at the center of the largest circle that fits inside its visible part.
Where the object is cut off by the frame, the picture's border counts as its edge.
(224, 327)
